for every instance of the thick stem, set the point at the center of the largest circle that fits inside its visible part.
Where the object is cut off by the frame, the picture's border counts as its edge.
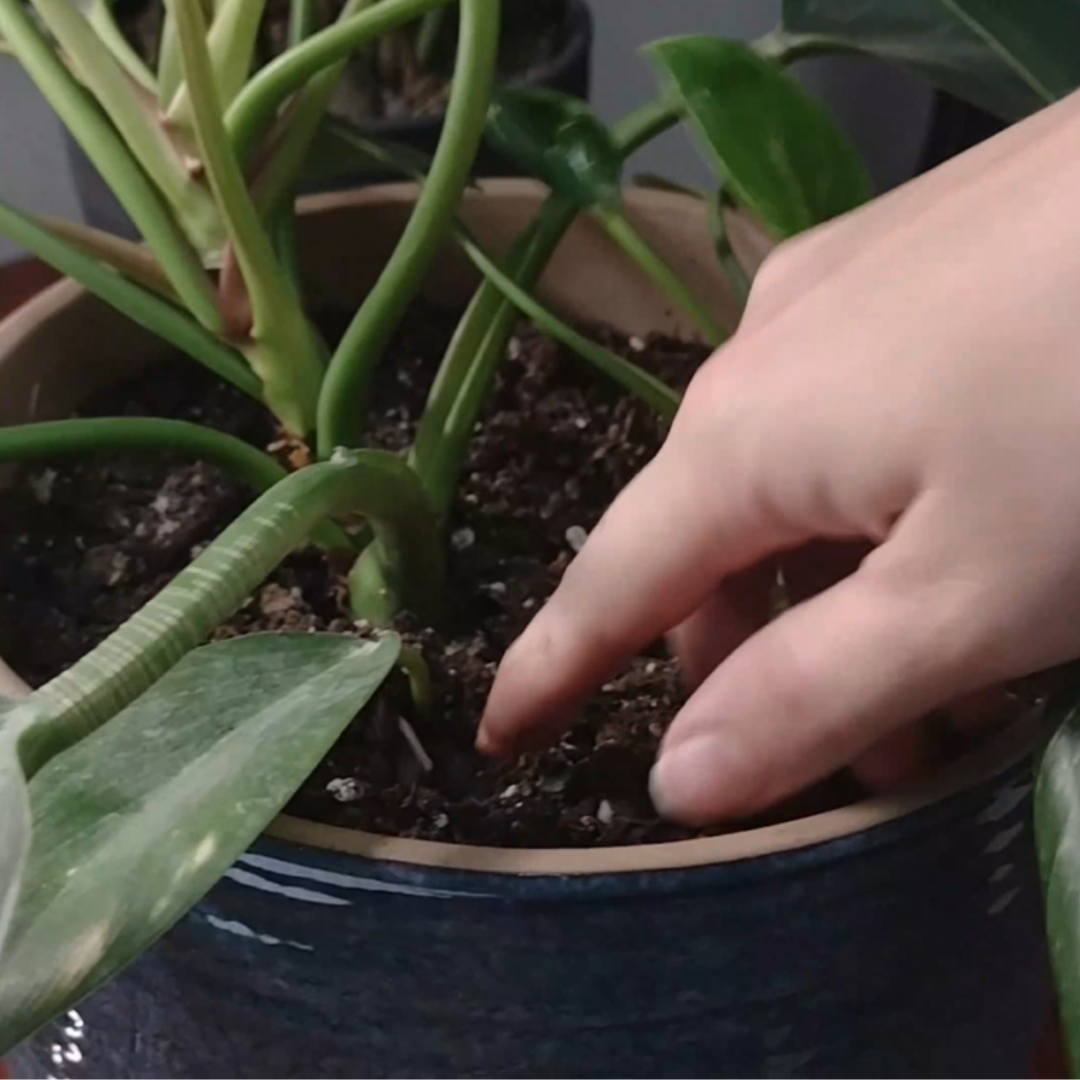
(343, 402)
(626, 236)
(648, 388)
(148, 310)
(254, 110)
(188, 610)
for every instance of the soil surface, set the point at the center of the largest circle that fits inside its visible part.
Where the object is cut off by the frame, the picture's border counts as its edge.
(84, 544)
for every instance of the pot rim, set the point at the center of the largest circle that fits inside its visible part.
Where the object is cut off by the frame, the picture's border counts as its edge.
(994, 757)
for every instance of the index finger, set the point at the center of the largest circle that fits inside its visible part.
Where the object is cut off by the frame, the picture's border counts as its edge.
(666, 543)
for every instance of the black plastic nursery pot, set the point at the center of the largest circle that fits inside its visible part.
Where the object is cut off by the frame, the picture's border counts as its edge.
(900, 936)
(569, 71)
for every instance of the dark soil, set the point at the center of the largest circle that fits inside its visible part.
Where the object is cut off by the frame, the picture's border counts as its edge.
(83, 545)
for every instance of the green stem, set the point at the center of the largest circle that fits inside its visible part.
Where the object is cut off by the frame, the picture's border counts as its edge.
(100, 17)
(127, 434)
(648, 388)
(736, 276)
(465, 376)
(296, 130)
(427, 37)
(645, 124)
(342, 404)
(284, 352)
(634, 245)
(170, 69)
(478, 347)
(254, 110)
(785, 48)
(215, 585)
(105, 148)
(230, 44)
(301, 21)
(138, 304)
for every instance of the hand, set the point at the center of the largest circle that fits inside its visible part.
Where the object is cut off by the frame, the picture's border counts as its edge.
(908, 376)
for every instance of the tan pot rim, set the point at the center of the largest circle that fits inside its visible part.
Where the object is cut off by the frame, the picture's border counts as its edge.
(996, 756)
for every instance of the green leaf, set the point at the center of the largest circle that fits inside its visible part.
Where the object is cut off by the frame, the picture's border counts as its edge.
(559, 140)
(14, 814)
(1057, 828)
(1009, 57)
(778, 151)
(134, 824)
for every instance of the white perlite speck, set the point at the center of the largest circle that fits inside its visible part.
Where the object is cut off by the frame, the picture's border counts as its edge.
(344, 789)
(463, 539)
(576, 537)
(605, 814)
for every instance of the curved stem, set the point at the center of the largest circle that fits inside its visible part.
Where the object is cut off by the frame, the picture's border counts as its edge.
(257, 105)
(479, 345)
(343, 402)
(648, 388)
(188, 610)
(144, 307)
(626, 236)
(645, 124)
(54, 439)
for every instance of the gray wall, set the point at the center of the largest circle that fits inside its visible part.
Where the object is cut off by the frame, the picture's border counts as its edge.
(883, 110)
(33, 170)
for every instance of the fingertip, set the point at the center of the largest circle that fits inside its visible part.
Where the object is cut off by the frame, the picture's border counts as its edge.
(701, 781)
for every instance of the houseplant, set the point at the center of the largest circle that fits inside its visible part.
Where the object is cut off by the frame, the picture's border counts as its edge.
(168, 817)
(396, 91)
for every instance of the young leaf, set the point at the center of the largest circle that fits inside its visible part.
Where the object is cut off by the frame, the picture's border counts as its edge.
(560, 140)
(1010, 58)
(778, 151)
(134, 824)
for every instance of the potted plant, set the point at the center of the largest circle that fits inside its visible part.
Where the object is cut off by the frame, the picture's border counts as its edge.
(142, 787)
(395, 90)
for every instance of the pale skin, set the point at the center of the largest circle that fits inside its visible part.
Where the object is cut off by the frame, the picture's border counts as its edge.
(907, 377)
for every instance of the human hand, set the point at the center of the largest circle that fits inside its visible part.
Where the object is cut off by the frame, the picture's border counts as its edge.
(908, 375)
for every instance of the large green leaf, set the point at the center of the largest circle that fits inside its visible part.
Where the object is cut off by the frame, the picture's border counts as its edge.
(777, 150)
(1008, 56)
(133, 824)
(1057, 827)
(560, 140)
(14, 814)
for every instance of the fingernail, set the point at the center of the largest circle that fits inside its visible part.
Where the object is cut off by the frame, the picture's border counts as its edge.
(688, 783)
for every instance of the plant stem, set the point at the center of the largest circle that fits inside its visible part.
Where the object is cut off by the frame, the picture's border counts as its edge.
(291, 140)
(100, 17)
(127, 434)
(478, 347)
(428, 37)
(284, 351)
(301, 21)
(105, 148)
(254, 110)
(480, 342)
(343, 402)
(188, 610)
(649, 389)
(626, 236)
(230, 43)
(143, 307)
(645, 124)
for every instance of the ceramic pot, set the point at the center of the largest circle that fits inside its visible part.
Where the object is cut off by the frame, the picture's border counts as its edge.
(897, 937)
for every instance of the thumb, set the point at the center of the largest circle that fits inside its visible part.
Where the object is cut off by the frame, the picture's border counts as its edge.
(813, 690)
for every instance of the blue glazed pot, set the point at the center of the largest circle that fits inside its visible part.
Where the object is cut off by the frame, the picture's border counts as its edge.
(900, 937)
